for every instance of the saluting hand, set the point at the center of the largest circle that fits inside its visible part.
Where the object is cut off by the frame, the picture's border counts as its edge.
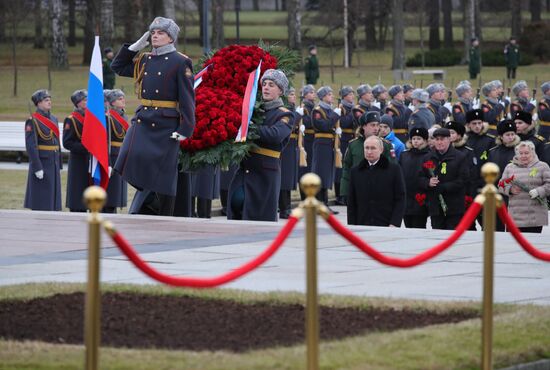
(141, 43)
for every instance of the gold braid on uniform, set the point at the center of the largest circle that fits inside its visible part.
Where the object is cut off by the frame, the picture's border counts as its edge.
(118, 134)
(78, 134)
(44, 137)
(138, 74)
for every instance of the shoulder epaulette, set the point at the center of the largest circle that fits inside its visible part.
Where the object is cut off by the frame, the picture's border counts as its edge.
(183, 55)
(541, 138)
(468, 148)
(493, 148)
(491, 136)
(284, 109)
(352, 140)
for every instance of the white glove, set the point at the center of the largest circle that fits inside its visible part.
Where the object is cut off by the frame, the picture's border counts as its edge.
(376, 104)
(110, 171)
(39, 174)
(533, 102)
(476, 104)
(533, 193)
(507, 98)
(535, 117)
(338, 111)
(411, 107)
(303, 129)
(300, 111)
(448, 105)
(502, 103)
(177, 136)
(141, 43)
(338, 131)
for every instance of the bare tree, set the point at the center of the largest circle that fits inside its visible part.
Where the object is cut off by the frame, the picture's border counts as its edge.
(370, 30)
(130, 19)
(432, 11)
(256, 5)
(294, 19)
(38, 35)
(92, 11)
(477, 20)
(218, 37)
(383, 22)
(398, 59)
(535, 7)
(71, 39)
(58, 44)
(3, 20)
(515, 7)
(468, 23)
(169, 10)
(447, 8)
(107, 29)
(13, 12)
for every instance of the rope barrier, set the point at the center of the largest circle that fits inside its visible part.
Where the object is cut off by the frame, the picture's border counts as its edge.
(464, 224)
(197, 282)
(516, 233)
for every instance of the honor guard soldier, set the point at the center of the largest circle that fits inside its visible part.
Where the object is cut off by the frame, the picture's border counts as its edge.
(347, 125)
(526, 129)
(109, 76)
(226, 177)
(399, 112)
(148, 159)
(311, 66)
(308, 102)
(380, 93)
(441, 111)
(365, 103)
(544, 111)
(254, 192)
(325, 122)
(493, 109)
(78, 176)
(290, 160)
(117, 191)
(421, 116)
(464, 92)
(474, 63)
(407, 92)
(522, 101)
(480, 140)
(43, 147)
(205, 186)
(511, 57)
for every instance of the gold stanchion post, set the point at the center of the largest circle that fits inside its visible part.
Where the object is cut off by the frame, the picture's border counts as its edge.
(311, 184)
(94, 198)
(490, 172)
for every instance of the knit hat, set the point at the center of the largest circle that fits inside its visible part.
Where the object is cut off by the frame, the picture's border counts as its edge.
(78, 96)
(323, 91)
(475, 114)
(394, 90)
(167, 25)
(40, 95)
(545, 87)
(307, 89)
(457, 126)
(369, 117)
(386, 119)
(462, 87)
(277, 76)
(523, 116)
(442, 132)
(519, 86)
(419, 131)
(378, 89)
(113, 95)
(505, 126)
(420, 95)
(344, 91)
(363, 89)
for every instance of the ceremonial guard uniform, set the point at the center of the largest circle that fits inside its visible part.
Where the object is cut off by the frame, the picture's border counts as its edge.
(43, 147)
(290, 160)
(544, 111)
(347, 126)
(422, 116)
(117, 191)
(474, 64)
(311, 66)
(530, 133)
(399, 112)
(307, 127)
(434, 104)
(254, 192)
(148, 158)
(109, 76)
(226, 176)
(78, 176)
(205, 186)
(464, 104)
(522, 102)
(511, 56)
(365, 103)
(380, 93)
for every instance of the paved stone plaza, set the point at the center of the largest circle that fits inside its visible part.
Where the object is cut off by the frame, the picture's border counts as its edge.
(51, 246)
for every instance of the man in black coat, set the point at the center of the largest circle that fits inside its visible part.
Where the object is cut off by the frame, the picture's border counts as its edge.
(442, 177)
(376, 194)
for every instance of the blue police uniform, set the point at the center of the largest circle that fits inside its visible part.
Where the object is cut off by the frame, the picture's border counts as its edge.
(43, 148)
(117, 191)
(78, 177)
(400, 114)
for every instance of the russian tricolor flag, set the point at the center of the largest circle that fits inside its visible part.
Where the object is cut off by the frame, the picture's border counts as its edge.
(248, 103)
(94, 135)
(198, 76)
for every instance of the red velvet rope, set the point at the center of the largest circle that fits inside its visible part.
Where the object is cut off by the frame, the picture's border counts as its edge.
(197, 282)
(464, 224)
(524, 243)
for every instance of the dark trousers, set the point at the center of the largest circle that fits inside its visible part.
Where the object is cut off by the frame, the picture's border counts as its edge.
(511, 73)
(203, 207)
(415, 221)
(533, 229)
(223, 200)
(182, 207)
(473, 76)
(166, 204)
(322, 196)
(284, 202)
(108, 210)
(445, 222)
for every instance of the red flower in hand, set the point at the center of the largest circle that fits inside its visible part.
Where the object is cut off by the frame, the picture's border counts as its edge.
(430, 165)
(510, 179)
(420, 198)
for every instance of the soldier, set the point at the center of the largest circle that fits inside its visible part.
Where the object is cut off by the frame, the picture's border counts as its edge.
(148, 158)
(311, 66)
(43, 147)
(407, 92)
(117, 191)
(399, 112)
(511, 57)
(109, 75)
(421, 116)
(493, 109)
(440, 110)
(78, 177)
(465, 104)
(205, 186)
(380, 93)
(522, 101)
(254, 192)
(348, 133)
(526, 130)
(290, 161)
(387, 133)
(325, 122)
(308, 101)
(226, 176)
(544, 111)
(480, 141)
(474, 64)
(365, 103)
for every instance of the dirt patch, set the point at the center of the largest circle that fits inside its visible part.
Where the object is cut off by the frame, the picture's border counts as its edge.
(190, 323)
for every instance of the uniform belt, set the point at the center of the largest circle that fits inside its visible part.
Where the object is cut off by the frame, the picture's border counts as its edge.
(116, 143)
(159, 103)
(493, 127)
(266, 152)
(400, 130)
(348, 131)
(48, 147)
(544, 123)
(293, 136)
(309, 131)
(324, 136)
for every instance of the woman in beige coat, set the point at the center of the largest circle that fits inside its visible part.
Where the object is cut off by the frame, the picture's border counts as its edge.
(528, 190)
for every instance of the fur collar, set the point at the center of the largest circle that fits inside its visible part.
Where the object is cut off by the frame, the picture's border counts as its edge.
(409, 146)
(460, 143)
(498, 142)
(483, 131)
